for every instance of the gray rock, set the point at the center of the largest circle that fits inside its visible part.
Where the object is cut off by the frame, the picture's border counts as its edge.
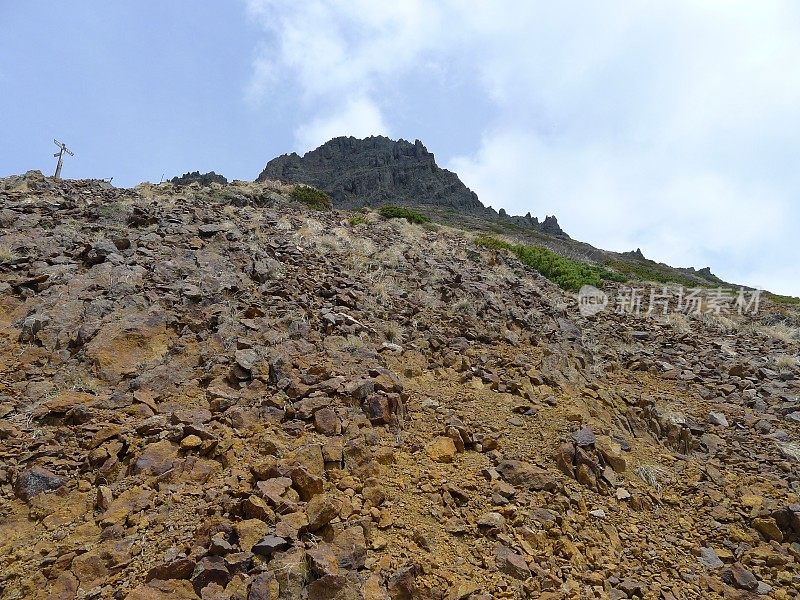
(584, 437)
(708, 558)
(491, 520)
(34, 481)
(717, 418)
(269, 545)
(246, 358)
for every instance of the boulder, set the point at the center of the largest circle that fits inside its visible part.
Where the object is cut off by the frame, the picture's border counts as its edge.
(35, 480)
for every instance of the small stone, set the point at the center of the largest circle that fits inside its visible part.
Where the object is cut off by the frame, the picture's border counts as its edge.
(269, 545)
(623, 494)
(491, 520)
(511, 563)
(740, 577)
(321, 510)
(710, 559)
(585, 437)
(767, 527)
(191, 442)
(718, 419)
(441, 449)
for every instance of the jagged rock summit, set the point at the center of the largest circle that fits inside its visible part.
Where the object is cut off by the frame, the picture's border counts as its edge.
(197, 177)
(377, 170)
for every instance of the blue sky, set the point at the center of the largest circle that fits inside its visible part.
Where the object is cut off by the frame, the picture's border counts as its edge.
(673, 126)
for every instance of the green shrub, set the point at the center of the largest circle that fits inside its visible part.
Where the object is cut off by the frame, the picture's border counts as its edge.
(654, 272)
(358, 220)
(311, 197)
(401, 212)
(567, 273)
(781, 299)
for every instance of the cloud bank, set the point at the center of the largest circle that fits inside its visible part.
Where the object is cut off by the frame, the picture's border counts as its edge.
(669, 127)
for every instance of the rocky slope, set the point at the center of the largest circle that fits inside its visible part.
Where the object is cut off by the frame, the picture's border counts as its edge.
(376, 170)
(213, 392)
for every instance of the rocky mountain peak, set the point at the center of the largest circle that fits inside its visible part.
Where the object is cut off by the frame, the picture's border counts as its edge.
(376, 170)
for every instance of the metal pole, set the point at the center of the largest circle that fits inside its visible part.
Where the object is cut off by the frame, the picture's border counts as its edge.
(61, 149)
(60, 156)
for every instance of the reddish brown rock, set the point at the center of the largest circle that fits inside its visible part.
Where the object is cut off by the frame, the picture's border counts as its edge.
(163, 590)
(156, 458)
(326, 422)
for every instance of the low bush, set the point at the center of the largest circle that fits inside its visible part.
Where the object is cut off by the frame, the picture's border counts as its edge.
(567, 273)
(781, 299)
(401, 212)
(311, 197)
(358, 220)
(654, 273)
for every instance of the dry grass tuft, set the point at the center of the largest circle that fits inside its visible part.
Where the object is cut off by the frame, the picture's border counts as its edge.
(465, 306)
(392, 257)
(651, 475)
(782, 332)
(718, 322)
(6, 254)
(679, 323)
(284, 224)
(786, 362)
(309, 230)
(392, 332)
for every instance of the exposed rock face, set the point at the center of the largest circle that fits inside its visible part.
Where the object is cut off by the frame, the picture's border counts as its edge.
(197, 177)
(377, 170)
(374, 171)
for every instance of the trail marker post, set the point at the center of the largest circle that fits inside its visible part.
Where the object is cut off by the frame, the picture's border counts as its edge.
(60, 154)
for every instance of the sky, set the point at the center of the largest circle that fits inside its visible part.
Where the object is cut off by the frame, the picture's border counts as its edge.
(673, 127)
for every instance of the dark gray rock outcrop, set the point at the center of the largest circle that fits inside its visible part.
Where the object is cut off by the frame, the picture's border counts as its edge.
(377, 170)
(197, 177)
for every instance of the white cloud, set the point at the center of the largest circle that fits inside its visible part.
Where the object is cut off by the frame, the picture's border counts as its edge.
(668, 127)
(359, 117)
